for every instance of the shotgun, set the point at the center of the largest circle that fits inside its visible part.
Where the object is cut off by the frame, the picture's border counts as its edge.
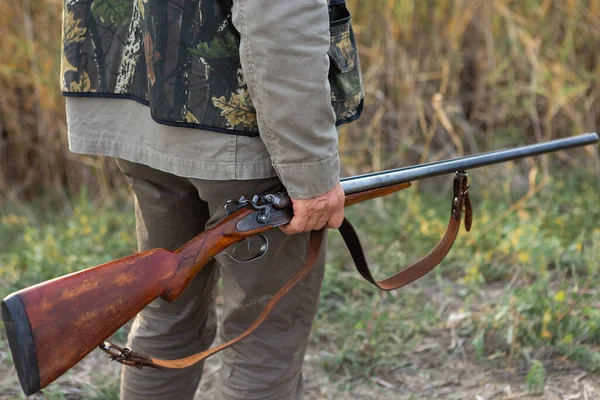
(51, 326)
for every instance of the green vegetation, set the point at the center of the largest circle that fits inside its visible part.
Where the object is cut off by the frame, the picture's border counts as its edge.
(535, 378)
(523, 281)
(443, 78)
(227, 46)
(115, 11)
(41, 246)
(522, 285)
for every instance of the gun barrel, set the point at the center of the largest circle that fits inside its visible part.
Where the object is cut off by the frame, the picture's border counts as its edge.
(391, 177)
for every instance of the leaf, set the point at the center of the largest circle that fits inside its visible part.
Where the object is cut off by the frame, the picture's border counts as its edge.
(546, 334)
(84, 84)
(66, 66)
(72, 33)
(117, 12)
(189, 117)
(535, 378)
(227, 46)
(141, 6)
(151, 57)
(345, 47)
(350, 105)
(547, 318)
(523, 257)
(238, 110)
(568, 339)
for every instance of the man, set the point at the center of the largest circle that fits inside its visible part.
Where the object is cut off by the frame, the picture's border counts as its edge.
(244, 96)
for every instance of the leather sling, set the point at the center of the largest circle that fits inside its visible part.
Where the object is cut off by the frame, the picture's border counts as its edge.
(460, 201)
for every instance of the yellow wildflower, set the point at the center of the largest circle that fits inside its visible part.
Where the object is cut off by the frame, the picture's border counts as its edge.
(560, 296)
(523, 257)
(546, 318)
(546, 334)
(488, 256)
(424, 228)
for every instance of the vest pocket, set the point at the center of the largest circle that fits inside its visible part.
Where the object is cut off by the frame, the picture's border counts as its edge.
(347, 91)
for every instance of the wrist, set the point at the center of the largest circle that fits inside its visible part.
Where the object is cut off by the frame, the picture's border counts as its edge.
(308, 180)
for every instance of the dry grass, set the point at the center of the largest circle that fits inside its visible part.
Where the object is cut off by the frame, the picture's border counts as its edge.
(443, 78)
(451, 77)
(34, 156)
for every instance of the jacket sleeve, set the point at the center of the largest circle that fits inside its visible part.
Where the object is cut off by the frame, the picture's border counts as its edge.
(283, 52)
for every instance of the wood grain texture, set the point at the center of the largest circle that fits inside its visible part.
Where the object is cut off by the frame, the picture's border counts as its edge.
(356, 198)
(73, 314)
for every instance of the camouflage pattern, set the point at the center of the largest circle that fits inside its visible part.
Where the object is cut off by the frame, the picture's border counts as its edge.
(181, 57)
(347, 92)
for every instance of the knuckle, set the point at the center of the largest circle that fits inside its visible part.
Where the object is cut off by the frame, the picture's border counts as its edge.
(289, 230)
(334, 224)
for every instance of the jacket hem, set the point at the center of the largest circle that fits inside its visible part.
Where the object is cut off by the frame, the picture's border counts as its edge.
(173, 165)
(160, 120)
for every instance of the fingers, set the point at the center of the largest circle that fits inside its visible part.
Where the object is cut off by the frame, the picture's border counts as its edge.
(321, 222)
(296, 225)
(336, 220)
(326, 210)
(303, 221)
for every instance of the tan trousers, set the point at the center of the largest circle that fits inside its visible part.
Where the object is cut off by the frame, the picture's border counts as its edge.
(170, 210)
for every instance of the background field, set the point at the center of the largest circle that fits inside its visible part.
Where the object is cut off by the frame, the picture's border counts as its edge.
(514, 309)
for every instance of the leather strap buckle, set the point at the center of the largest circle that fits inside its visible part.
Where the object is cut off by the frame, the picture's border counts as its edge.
(126, 356)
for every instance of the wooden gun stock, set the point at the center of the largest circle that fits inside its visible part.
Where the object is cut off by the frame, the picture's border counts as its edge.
(51, 326)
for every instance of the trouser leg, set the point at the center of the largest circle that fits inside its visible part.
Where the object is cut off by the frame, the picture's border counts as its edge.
(168, 214)
(267, 364)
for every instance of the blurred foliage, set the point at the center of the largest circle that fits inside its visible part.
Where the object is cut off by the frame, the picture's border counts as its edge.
(521, 286)
(523, 281)
(443, 78)
(535, 378)
(449, 77)
(38, 248)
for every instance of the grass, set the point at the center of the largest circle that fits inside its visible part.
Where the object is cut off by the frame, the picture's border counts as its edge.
(442, 78)
(522, 282)
(519, 289)
(41, 245)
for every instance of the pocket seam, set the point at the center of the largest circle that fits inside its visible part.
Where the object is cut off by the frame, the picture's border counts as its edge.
(332, 54)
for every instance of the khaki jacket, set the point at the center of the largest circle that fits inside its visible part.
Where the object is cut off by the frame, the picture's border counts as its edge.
(287, 70)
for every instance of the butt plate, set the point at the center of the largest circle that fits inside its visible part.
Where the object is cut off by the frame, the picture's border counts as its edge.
(20, 341)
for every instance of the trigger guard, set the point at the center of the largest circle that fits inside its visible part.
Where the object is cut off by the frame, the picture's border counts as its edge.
(261, 252)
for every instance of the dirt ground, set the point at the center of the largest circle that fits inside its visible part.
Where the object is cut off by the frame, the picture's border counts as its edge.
(434, 375)
(431, 373)
(440, 366)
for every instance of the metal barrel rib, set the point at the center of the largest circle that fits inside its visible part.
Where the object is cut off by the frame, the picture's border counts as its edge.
(395, 176)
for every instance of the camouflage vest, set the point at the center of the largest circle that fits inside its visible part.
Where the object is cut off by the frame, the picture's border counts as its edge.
(181, 58)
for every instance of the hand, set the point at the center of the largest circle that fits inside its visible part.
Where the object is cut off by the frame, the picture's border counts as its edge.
(326, 210)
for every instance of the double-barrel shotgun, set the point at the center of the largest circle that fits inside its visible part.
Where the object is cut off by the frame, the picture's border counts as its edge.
(51, 326)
